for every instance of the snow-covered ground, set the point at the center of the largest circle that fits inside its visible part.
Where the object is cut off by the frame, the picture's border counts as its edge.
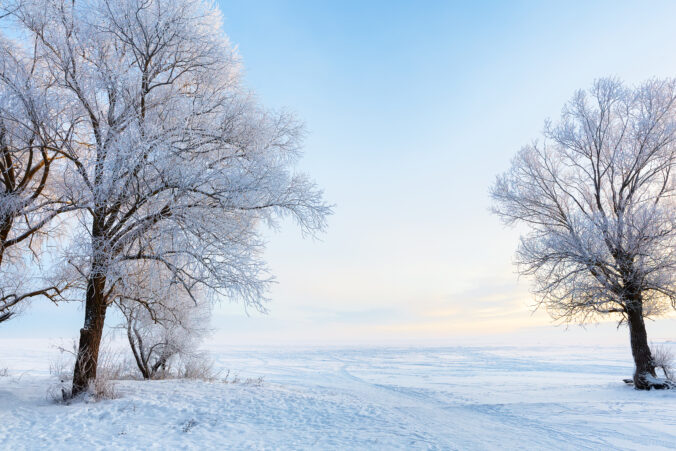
(378, 398)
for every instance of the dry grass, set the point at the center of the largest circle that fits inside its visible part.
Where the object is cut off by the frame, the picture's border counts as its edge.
(198, 366)
(111, 367)
(102, 388)
(235, 379)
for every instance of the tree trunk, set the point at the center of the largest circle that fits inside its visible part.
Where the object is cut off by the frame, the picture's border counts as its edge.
(4, 234)
(138, 356)
(90, 335)
(643, 359)
(95, 310)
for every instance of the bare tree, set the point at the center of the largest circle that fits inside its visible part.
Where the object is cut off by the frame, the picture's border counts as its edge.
(31, 132)
(161, 321)
(599, 200)
(157, 344)
(171, 161)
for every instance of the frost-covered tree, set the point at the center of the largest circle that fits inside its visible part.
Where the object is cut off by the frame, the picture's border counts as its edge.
(164, 328)
(170, 161)
(32, 131)
(598, 198)
(158, 343)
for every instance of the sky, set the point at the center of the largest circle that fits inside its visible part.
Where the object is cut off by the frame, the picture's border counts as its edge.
(412, 108)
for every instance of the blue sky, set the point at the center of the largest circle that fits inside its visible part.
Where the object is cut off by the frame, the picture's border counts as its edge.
(412, 108)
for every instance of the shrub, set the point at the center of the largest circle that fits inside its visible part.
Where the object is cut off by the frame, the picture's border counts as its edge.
(663, 358)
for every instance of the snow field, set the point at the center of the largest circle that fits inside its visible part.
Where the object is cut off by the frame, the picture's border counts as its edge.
(379, 398)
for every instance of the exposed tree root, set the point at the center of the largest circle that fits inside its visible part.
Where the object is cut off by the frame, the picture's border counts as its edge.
(652, 384)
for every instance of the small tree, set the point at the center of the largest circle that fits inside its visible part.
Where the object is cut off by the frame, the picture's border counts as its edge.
(156, 344)
(598, 198)
(162, 322)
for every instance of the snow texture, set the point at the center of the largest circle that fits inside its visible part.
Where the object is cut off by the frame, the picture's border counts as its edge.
(378, 398)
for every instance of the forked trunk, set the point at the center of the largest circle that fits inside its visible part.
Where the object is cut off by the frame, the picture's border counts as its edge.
(138, 353)
(643, 359)
(90, 335)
